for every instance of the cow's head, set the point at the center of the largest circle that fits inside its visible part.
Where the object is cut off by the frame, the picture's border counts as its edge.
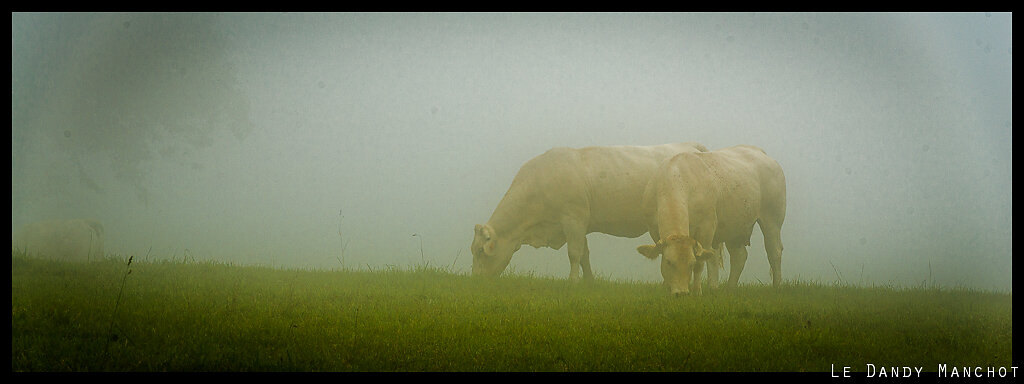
(680, 262)
(491, 253)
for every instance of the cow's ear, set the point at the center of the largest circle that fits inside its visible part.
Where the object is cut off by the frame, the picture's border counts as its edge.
(650, 251)
(702, 253)
(486, 234)
(489, 247)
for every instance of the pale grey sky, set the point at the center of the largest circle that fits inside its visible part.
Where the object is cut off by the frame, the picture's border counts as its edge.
(240, 137)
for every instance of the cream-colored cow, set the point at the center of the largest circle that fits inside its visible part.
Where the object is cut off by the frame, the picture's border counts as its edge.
(710, 198)
(562, 195)
(72, 240)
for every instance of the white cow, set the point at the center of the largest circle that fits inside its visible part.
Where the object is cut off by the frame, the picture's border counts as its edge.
(562, 195)
(72, 240)
(710, 198)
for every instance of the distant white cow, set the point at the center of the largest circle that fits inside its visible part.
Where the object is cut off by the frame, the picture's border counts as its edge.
(698, 200)
(71, 240)
(562, 195)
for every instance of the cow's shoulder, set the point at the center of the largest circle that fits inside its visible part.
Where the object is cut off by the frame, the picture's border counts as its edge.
(689, 160)
(552, 156)
(691, 145)
(749, 148)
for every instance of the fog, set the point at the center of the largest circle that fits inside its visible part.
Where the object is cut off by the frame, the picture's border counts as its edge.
(329, 140)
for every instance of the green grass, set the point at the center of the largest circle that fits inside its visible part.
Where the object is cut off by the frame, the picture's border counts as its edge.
(208, 316)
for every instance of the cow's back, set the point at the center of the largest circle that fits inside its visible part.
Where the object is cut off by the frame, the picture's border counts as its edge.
(616, 178)
(601, 185)
(750, 186)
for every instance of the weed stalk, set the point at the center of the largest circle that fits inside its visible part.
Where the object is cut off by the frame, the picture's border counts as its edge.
(837, 272)
(344, 244)
(452, 268)
(422, 260)
(117, 304)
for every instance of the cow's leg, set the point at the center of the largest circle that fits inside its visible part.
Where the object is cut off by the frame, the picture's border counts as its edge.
(585, 261)
(714, 266)
(579, 253)
(579, 258)
(737, 259)
(695, 283)
(773, 248)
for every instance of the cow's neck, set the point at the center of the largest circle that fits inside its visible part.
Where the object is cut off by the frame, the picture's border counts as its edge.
(513, 216)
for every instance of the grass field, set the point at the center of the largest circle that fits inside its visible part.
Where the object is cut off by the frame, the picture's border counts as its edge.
(205, 316)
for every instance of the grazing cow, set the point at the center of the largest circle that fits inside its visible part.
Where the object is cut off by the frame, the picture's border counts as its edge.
(710, 198)
(72, 240)
(562, 195)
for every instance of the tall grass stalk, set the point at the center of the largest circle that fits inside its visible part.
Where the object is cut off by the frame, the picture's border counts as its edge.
(422, 259)
(452, 268)
(344, 243)
(117, 303)
(840, 278)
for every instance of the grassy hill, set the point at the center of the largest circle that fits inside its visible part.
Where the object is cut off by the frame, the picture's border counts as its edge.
(206, 316)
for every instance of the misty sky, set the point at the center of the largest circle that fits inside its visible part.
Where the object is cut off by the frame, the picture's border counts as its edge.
(240, 137)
